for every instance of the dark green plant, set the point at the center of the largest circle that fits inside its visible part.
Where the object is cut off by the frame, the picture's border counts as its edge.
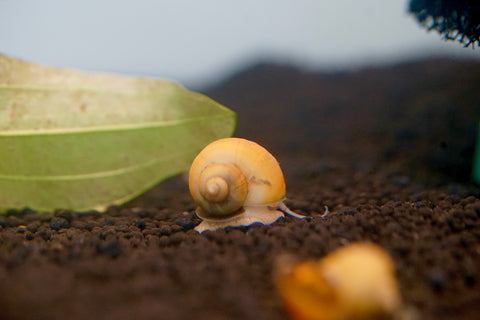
(454, 19)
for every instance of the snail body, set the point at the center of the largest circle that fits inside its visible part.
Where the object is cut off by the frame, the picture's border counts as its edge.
(237, 182)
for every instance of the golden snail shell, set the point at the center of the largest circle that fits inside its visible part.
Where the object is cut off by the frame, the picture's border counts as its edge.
(236, 182)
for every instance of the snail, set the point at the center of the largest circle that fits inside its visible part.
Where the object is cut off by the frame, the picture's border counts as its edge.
(237, 182)
(356, 281)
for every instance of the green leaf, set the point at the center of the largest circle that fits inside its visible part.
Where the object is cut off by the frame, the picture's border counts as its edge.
(80, 141)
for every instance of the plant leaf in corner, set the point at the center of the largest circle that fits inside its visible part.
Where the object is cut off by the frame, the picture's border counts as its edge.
(81, 141)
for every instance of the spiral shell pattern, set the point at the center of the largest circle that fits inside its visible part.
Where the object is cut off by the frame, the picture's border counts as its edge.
(223, 190)
(233, 173)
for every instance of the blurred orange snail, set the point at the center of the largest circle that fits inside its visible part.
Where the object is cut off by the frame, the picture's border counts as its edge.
(236, 182)
(355, 282)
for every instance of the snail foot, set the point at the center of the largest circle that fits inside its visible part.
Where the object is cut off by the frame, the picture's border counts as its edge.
(249, 216)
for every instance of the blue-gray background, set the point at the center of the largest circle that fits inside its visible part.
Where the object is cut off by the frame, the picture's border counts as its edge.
(197, 43)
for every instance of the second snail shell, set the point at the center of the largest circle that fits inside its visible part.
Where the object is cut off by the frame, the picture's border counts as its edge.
(237, 182)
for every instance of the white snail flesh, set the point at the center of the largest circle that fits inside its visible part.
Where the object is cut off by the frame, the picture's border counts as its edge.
(237, 182)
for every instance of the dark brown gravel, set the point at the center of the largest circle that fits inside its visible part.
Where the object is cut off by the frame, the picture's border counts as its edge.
(387, 150)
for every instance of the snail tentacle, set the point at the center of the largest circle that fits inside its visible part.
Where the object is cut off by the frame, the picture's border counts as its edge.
(282, 207)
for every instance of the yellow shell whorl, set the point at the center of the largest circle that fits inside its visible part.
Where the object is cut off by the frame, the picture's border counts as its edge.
(215, 189)
(244, 166)
(223, 190)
